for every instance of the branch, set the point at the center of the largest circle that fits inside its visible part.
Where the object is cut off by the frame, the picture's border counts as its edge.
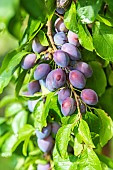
(49, 34)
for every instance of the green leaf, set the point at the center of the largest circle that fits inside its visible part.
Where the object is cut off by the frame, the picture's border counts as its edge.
(38, 114)
(85, 37)
(62, 139)
(41, 112)
(103, 40)
(50, 7)
(55, 108)
(106, 101)
(36, 9)
(42, 38)
(23, 134)
(87, 10)
(106, 127)
(19, 121)
(4, 138)
(108, 161)
(7, 100)
(9, 66)
(85, 134)
(2, 120)
(20, 81)
(13, 109)
(110, 4)
(70, 15)
(93, 122)
(10, 7)
(89, 160)
(78, 147)
(8, 145)
(33, 26)
(106, 20)
(98, 77)
(61, 163)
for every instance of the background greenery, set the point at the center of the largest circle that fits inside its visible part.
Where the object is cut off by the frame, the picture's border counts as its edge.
(13, 29)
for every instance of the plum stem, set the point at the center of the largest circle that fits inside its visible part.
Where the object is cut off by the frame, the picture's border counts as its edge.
(60, 16)
(49, 34)
(77, 101)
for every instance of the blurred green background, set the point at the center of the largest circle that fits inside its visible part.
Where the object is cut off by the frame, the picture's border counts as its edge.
(8, 11)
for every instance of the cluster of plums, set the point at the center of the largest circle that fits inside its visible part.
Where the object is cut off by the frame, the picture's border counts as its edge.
(66, 71)
(45, 140)
(70, 70)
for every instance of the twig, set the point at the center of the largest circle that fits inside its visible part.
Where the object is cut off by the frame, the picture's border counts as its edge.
(49, 34)
(60, 16)
(76, 98)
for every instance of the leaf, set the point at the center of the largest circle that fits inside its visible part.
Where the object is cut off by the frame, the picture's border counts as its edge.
(19, 121)
(41, 112)
(42, 38)
(20, 81)
(106, 127)
(55, 108)
(98, 77)
(9, 65)
(50, 7)
(108, 161)
(2, 120)
(61, 163)
(106, 20)
(106, 101)
(7, 100)
(10, 7)
(85, 134)
(110, 4)
(103, 40)
(78, 147)
(36, 9)
(62, 139)
(70, 15)
(93, 122)
(85, 37)
(38, 113)
(88, 160)
(8, 145)
(13, 109)
(87, 10)
(23, 134)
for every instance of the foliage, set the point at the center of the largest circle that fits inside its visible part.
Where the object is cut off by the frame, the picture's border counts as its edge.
(81, 136)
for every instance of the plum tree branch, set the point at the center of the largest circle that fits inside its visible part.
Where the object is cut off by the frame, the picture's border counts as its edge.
(49, 34)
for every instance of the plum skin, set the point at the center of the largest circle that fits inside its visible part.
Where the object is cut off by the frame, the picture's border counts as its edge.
(44, 133)
(89, 96)
(43, 166)
(29, 61)
(37, 47)
(41, 71)
(55, 79)
(73, 51)
(61, 58)
(33, 87)
(54, 127)
(46, 144)
(60, 38)
(63, 94)
(77, 79)
(68, 106)
(73, 38)
(84, 68)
